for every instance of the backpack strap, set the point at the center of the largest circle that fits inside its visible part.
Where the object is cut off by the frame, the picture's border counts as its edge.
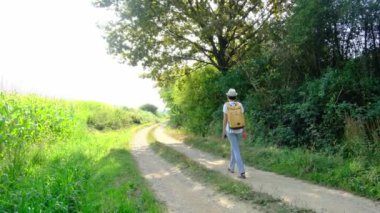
(229, 105)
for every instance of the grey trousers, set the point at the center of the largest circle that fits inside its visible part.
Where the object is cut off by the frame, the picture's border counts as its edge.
(235, 139)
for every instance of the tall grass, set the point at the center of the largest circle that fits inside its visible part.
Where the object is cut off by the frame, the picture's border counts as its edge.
(52, 162)
(30, 122)
(362, 140)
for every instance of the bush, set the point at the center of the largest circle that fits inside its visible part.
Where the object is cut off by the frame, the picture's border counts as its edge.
(361, 140)
(108, 117)
(193, 98)
(149, 108)
(313, 115)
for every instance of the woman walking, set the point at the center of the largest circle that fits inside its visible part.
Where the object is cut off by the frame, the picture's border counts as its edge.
(233, 127)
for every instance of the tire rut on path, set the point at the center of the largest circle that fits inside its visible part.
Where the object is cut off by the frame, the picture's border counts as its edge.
(295, 192)
(179, 192)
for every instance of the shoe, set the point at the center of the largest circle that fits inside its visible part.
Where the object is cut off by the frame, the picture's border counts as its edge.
(242, 176)
(230, 170)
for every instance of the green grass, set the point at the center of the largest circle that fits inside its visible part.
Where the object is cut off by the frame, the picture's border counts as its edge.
(50, 161)
(354, 175)
(219, 181)
(116, 183)
(95, 173)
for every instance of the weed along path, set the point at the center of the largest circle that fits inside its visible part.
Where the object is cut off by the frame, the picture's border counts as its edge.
(295, 192)
(178, 191)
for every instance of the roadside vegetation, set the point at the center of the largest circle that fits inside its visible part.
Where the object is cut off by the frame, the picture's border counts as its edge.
(54, 158)
(309, 82)
(307, 73)
(337, 172)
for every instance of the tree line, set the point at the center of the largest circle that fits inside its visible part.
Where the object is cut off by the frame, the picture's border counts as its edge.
(308, 72)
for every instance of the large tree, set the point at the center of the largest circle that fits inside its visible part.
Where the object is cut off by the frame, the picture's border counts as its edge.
(161, 33)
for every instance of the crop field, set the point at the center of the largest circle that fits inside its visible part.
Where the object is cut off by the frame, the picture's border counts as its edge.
(58, 155)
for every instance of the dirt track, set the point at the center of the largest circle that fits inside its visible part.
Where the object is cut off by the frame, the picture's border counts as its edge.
(179, 192)
(295, 192)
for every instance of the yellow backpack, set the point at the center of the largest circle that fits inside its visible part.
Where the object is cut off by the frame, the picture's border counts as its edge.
(235, 116)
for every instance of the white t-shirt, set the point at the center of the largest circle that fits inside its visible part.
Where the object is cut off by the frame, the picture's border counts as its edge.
(228, 130)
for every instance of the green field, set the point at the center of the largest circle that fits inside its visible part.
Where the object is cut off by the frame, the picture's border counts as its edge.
(64, 156)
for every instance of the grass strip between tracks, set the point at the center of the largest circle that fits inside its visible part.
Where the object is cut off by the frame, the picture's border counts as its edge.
(218, 181)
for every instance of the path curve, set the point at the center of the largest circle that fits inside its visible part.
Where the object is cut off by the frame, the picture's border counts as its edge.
(295, 192)
(178, 191)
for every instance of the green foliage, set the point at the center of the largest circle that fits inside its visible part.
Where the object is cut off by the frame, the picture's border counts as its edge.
(94, 172)
(325, 33)
(115, 183)
(232, 79)
(149, 108)
(27, 121)
(314, 114)
(193, 98)
(107, 117)
(196, 99)
(304, 76)
(361, 140)
(309, 80)
(311, 92)
(163, 34)
(48, 158)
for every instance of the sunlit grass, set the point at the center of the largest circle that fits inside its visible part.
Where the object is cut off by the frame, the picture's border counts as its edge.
(51, 162)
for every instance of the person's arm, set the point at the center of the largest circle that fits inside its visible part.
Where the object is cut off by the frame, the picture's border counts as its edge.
(242, 111)
(225, 119)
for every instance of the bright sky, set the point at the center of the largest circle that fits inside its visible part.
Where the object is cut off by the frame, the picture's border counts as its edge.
(54, 48)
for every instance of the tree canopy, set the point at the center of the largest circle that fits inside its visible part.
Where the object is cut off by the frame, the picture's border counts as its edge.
(149, 108)
(306, 76)
(160, 34)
